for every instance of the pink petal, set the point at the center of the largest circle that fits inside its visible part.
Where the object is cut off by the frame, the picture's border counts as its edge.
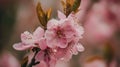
(52, 24)
(27, 37)
(50, 36)
(68, 29)
(71, 16)
(79, 31)
(40, 55)
(62, 42)
(52, 43)
(42, 44)
(52, 62)
(60, 53)
(61, 15)
(74, 50)
(38, 33)
(21, 46)
(79, 47)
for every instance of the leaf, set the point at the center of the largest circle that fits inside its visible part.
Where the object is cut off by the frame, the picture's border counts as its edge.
(63, 4)
(48, 13)
(70, 6)
(43, 16)
(66, 7)
(76, 5)
(70, 2)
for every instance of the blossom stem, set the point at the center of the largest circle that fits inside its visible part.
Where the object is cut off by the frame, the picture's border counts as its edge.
(36, 50)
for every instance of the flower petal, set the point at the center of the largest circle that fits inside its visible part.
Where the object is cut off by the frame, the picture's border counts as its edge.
(42, 44)
(27, 38)
(62, 42)
(79, 31)
(79, 47)
(40, 56)
(69, 29)
(21, 46)
(38, 33)
(52, 43)
(50, 36)
(61, 15)
(52, 23)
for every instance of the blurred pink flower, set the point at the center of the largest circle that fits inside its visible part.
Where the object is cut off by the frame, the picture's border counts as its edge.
(31, 40)
(8, 60)
(61, 32)
(95, 63)
(113, 63)
(98, 26)
(114, 6)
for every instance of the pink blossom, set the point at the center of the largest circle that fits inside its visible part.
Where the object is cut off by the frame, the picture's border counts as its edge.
(65, 54)
(60, 32)
(39, 58)
(31, 40)
(113, 63)
(63, 36)
(95, 63)
(97, 26)
(8, 60)
(59, 42)
(46, 57)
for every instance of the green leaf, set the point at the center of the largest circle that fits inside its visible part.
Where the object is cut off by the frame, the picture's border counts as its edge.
(76, 5)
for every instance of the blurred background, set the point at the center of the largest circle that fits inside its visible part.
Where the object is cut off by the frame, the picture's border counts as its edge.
(100, 19)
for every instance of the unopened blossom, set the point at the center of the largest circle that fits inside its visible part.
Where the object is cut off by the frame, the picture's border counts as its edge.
(31, 40)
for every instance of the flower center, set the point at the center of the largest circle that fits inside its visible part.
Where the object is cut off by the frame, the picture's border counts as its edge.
(60, 33)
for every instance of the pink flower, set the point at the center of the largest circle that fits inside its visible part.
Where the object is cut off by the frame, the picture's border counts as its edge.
(61, 32)
(59, 42)
(98, 26)
(39, 58)
(46, 57)
(63, 36)
(31, 40)
(95, 63)
(65, 54)
(8, 60)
